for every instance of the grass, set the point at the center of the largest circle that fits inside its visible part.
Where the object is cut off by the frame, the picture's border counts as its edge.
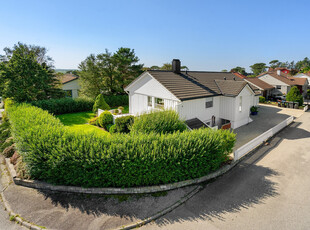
(78, 122)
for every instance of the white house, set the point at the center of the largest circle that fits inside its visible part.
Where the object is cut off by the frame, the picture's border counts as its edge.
(303, 75)
(216, 98)
(70, 84)
(282, 82)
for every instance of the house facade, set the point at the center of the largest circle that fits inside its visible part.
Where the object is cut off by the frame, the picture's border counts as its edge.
(70, 84)
(282, 83)
(215, 98)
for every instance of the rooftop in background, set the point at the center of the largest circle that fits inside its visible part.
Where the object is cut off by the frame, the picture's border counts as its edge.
(259, 83)
(67, 78)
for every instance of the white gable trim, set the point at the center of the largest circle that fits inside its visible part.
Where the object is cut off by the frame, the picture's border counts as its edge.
(175, 98)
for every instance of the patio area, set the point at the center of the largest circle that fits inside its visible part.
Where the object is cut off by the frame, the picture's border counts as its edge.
(267, 117)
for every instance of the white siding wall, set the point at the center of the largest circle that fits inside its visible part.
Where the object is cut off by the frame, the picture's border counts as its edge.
(197, 108)
(242, 117)
(227, 108)
(74, 86)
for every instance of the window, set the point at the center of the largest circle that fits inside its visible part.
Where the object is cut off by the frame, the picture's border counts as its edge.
(240, 104)
(68, 93)
(159, 103)
(278, 86)
(149, 101)
(209, 104)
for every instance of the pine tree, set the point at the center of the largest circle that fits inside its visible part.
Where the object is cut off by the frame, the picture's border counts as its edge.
(100, 104)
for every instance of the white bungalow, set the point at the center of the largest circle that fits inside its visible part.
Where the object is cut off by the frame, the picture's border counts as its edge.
(70, 84)
(215, 98)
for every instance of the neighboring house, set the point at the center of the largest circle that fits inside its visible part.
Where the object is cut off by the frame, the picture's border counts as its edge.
(283, 82)
(264, 87)
(303, 75)
(282, 69)
(216, 98)
(239, 75)
(70, 84)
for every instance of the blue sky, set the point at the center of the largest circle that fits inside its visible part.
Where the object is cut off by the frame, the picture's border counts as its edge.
(204, 35)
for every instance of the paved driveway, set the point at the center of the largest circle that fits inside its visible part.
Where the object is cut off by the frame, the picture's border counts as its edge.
(267, 117)
(269, 190)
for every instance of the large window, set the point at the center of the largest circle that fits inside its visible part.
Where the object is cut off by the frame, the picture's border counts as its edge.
(159, 103)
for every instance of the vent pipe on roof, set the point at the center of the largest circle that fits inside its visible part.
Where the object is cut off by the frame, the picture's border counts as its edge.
(176, 66)
(234, 78)
(224, 78)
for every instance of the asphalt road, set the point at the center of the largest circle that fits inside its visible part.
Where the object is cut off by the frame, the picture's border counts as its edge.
(5, 223)
(269, 190)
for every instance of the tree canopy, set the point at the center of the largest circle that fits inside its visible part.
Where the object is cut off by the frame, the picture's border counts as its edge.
(295, 95)
(27, 74)
(108, 73)
(239, 69)
(258, 68)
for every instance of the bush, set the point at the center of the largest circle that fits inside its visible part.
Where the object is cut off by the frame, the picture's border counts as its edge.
(166, 121)
(112, 129)
(54, 154)
(122, 124)
(295, 96)
(65, 105)
(117, 100)
(105, 119)
(9, 151)
(100, 104)
(262, 99)
(93, 121)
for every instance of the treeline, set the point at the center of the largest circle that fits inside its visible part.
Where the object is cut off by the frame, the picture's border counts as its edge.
(302, 66)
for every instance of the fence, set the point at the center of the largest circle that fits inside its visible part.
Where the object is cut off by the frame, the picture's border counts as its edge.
(114, 116)
(243, 150)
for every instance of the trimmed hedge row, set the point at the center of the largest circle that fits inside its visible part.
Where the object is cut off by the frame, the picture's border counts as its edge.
(65, 105)
(116, 100)
(56, 155)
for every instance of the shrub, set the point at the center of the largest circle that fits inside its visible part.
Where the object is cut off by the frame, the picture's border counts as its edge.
(117, 100)
(262, 99)
(166, 121)
(122, 124)
(121, 108)
(93, 121)
(295, 95)
(65, 105)
(112, 129)
(100, 103)
(105, 119)
(9, 151)
(55, 154)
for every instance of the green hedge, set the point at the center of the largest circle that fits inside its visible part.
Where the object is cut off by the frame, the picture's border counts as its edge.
(116, 100)
(65, 105)
(166, 121)
(56, 155)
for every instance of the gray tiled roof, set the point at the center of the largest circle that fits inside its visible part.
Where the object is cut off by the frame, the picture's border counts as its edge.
(198, 84)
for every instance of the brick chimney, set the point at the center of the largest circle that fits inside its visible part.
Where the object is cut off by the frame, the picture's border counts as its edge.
(176, 66)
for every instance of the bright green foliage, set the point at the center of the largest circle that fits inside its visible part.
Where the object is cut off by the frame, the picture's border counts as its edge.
(116, 100)
(100, 104)
(295, 95)
(93, 121)
(56, 155)
(112, 129)
(4, 135)
(122, 124)
(26, 75)
(166, 121)
(105, 119)
(262, 99)
(65, 105)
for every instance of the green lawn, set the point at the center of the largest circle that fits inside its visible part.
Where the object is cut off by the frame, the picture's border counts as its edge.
(78, 122)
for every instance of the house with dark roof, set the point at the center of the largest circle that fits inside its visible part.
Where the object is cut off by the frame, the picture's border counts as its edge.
(70, 84)
(265, 88)
(283, 82)
(215, 98)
